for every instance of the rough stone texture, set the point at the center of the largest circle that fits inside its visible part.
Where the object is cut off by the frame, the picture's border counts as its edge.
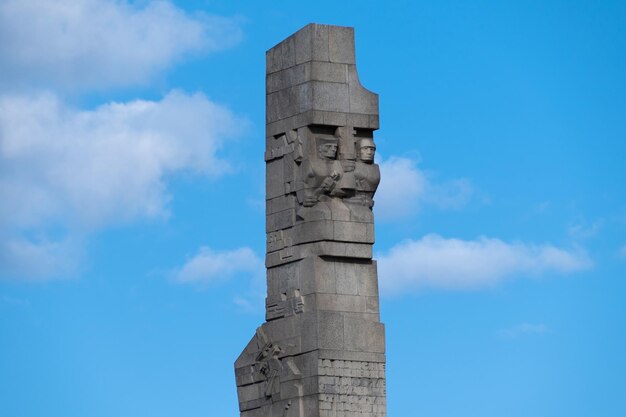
(321, 351)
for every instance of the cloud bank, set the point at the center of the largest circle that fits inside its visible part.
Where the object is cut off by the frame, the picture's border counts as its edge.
(455, 264)
(209, 265)
(66, 172)
(81, 170)
(96, 44)
(42, 259)
(404, 188)
(95, 167)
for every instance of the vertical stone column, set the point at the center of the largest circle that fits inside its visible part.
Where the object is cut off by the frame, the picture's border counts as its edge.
(321, 351)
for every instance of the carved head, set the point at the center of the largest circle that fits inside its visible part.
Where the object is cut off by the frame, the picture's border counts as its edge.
(366, 150)
(327, 148)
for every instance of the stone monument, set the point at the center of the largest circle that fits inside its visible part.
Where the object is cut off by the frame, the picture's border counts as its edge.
(321, 351)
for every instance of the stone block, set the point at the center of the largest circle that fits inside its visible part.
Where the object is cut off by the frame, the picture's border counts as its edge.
(288, 77)
(334, 118)
(375, 317)
(339, 302)
(273, 60)
(367, 278)
(304, 44)
(330, 330)
(248, 394)
(317, 276)
(281, 220)
(278, 106)
(301, 98)
(282, 277)
(274, 179)
(361, 100)
(280, 203)
(359, 120)
(338, 249)
(319, 42)
(351, 355)
(347, 278)
(312, 231)
(351, 232)
(341, 45)
(372, 305)
(374, 122)
(304, 270)
(364, 336)
(288, 53)
(325, 277)
(370, 236)
(328, 71)
(308, 363)
(309, 331)
(330, 96)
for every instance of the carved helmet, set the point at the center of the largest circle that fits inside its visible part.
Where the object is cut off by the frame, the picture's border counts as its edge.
(327, 141)
(365, 142)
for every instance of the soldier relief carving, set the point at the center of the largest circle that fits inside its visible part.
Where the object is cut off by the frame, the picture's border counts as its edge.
(338, 178)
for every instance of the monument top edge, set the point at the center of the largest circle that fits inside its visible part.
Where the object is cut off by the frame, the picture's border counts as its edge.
(312, 28)
(314, 42)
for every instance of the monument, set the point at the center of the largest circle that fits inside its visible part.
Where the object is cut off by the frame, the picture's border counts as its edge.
(321, 351)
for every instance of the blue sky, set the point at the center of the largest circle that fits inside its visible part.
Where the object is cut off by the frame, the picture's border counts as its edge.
(132, 202)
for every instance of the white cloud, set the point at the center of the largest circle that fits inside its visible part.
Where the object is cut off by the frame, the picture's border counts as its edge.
(76, 171)
(78, 44)
(66, 172)
(402, 187)
(23, 259)
(524, 329)
(436, 262)
(452, 194)
(209, 265)
(580, 230)
(90, 168)
(249, 305)
(405, 187)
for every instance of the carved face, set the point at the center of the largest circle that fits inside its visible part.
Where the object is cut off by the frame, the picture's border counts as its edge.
(328, 150)
(366, 154)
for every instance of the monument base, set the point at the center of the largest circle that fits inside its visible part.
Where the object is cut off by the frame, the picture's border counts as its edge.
(277, 376)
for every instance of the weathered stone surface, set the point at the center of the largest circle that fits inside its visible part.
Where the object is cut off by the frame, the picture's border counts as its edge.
(321, 351)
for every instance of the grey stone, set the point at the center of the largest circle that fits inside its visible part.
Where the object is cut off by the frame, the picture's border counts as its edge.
(289, 77)
(334, 118)
(330, 330)
(321, 351)
(329, 72)
(280, 221)
(347, 278)
(304, 44)
(333, 97)
(319, 42)
(288, 52)
(368, 279)
(365, 336)
(362, 101)
(341, 45)
(340, 302)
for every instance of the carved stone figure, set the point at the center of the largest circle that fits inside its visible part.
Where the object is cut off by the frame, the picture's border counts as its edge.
(322, 178)
(321, 351)
(367, 178)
